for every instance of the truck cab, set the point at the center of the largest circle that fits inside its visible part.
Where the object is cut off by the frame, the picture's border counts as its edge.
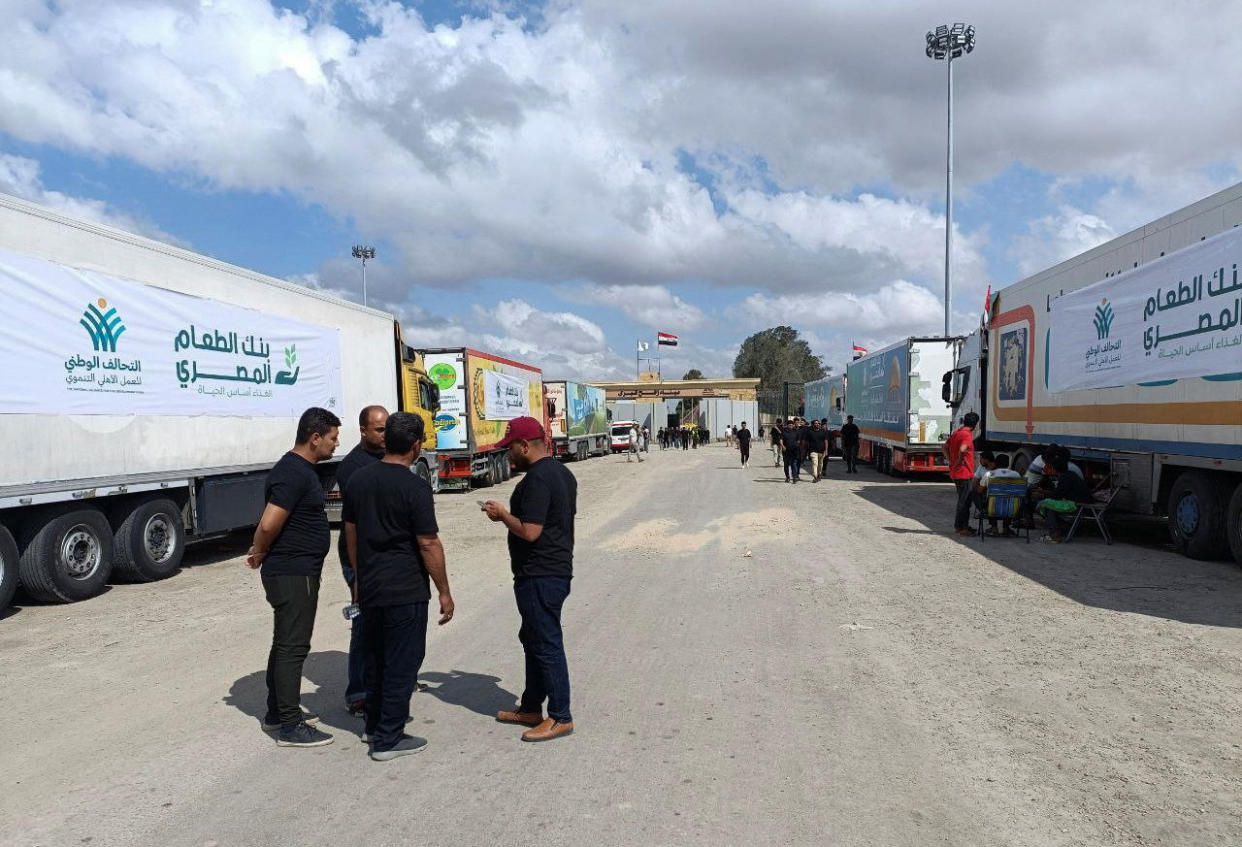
(964, 386)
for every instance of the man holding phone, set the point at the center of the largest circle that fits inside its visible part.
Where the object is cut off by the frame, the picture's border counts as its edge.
(393, 541)
(540, 520)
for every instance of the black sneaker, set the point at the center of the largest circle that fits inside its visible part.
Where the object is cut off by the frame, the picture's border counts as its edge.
(408, 745)
(303, 735)
(271, 722)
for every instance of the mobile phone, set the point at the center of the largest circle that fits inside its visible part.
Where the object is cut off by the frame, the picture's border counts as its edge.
(481, 503)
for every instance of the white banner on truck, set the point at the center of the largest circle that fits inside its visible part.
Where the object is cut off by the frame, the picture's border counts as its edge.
(85, 343)
(504, 397)
(1173, 318)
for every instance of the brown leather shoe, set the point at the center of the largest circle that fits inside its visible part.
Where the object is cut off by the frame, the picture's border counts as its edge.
(524, 718)
(549, 729)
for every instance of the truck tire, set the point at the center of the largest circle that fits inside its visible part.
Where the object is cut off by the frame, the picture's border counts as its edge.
(1021, 460)
(69, 558)
(150, 542)
(8, 568)
(1233, 523)
(1197, 516)
(424, 473)
(506, 470)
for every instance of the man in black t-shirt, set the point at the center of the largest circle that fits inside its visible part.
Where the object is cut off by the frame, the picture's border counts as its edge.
(371, 423)
(817, 445)
(290, 544)
(540, 520)
(792, 441)
(743, 443)
(393, 540)
(849, 444)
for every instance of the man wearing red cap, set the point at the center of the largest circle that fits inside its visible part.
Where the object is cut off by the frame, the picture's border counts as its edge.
(540, 520)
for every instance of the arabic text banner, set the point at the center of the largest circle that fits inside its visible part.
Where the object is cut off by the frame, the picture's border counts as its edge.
(1173, 318)
(505, 397)
(85, 343)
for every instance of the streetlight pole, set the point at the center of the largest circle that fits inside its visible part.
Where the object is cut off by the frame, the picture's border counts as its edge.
(364, 252)
(949, 43)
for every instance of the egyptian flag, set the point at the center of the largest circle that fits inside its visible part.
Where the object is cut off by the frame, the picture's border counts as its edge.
(859, 351)
(666, 339)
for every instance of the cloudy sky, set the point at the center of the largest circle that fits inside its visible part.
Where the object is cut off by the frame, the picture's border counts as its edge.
(556, 180)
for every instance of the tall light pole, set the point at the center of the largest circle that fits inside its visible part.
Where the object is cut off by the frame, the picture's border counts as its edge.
(364, 252)
(949, 43)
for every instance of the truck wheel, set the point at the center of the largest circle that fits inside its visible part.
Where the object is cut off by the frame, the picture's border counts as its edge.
(8, 568)
(69, 558)
(1197, 516)
(424, 473)
(506, 470)
(150, 542)
(1233, 524)
(1021, 460)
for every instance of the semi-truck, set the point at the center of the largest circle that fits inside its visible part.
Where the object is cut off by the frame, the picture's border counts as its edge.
(895, 397)
(577, 419)
(1130, 356)
(824, 399)
(147, 390)
(479, 394)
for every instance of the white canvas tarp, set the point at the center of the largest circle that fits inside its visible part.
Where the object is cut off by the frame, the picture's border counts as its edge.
(1173, 318)
(504, 397)
(86, 343)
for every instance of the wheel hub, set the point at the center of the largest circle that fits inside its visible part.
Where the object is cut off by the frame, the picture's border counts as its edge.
(80, 552)
(157, 537)
(1188, 514)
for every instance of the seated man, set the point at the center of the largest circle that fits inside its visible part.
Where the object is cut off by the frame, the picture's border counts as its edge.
(1068, 490)
(998, 470)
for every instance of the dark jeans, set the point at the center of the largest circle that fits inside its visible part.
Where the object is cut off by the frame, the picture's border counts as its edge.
(793, 464)
(743, 447)
(961, 518)
(396, 642)
(851, 458)
(356, 688)
(293, 600)
(539, 601)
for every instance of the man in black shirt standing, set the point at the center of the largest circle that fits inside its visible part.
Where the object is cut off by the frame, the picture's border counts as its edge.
(540, 520)
(849, 444)
(290, 544)
(817, 444)
(743, 443)
(393, 539)
(792, 440)
(370, 448)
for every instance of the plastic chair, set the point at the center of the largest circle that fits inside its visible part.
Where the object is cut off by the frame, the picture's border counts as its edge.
(1003, 499)
(1096, 510)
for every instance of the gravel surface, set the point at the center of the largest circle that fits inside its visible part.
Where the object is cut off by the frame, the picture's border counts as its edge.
(753, 663)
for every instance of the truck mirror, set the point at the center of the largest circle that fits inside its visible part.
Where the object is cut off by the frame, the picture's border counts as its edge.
(946, 391)
(434, 391)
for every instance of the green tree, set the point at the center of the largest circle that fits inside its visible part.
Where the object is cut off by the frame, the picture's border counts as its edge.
(693, 373)
(777, 356)
(685, 406)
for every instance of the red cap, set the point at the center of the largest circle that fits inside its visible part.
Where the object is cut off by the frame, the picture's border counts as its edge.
(522, 429)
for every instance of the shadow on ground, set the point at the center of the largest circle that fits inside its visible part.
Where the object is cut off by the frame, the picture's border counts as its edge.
(1143, 578)
(479, 693)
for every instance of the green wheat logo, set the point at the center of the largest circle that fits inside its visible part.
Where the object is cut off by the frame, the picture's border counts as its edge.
(1103, 319)
(291, 355)
(104, 327)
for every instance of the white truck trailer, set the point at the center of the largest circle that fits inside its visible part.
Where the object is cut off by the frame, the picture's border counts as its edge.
(577, 419)
(147, 390)
(1130, 355)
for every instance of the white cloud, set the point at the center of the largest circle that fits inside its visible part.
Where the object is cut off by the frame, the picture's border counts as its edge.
(1055, 238)
(20, 177)
(653, 306)
(899, 308)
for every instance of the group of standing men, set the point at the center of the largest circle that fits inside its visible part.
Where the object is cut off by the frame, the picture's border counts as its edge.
(797, 441)
(390, 553)
(685, 437)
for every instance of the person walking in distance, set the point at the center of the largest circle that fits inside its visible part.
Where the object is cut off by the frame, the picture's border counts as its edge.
(849, 444)
(959, 450)
(393, 539)
(817, 443)
(774, 434)
(791, 444)
(370, 448)
(540, 520)
(743, 443)
(290, 544)
(635, 436)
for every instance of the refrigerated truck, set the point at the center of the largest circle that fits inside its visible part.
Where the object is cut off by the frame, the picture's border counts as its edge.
(1130, 356)
(824, 399)
(895, 397)
(147, 391)
(479, 394)
(577, 419)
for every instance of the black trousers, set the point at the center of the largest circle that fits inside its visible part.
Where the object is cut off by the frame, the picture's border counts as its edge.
(293, 600)
(539, 602)
(793, 464)
(851, 457)
(961, 517)
(396, 642)
(743, 447)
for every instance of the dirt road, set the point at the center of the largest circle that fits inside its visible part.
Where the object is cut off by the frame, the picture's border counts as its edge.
(753, 663)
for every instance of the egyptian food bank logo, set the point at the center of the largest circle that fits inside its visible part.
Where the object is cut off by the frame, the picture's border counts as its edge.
(1103, 319)
(443, 375)
(104, 327)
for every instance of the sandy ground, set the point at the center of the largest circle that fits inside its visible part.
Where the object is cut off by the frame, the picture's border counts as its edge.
(753, 663)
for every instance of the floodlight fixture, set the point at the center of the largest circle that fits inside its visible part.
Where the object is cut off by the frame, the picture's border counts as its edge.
(364, 252)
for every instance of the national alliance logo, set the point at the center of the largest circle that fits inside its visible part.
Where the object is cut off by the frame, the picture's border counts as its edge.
(1103, 319)
(104, 327)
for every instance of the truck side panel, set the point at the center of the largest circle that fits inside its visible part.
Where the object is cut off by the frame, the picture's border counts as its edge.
(499, 391)
(585, 407)
(878, 389)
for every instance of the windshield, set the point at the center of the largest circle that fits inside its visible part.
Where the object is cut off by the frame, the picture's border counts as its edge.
(621, 430)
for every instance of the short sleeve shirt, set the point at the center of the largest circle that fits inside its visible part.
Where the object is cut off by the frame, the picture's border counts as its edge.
(353, 461)
(743, 435)
(961, 465)
(547, 495)
(304, 540)
(390, 507)
(849, 433)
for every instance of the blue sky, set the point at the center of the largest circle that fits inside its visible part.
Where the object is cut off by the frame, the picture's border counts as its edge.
(558, 186)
